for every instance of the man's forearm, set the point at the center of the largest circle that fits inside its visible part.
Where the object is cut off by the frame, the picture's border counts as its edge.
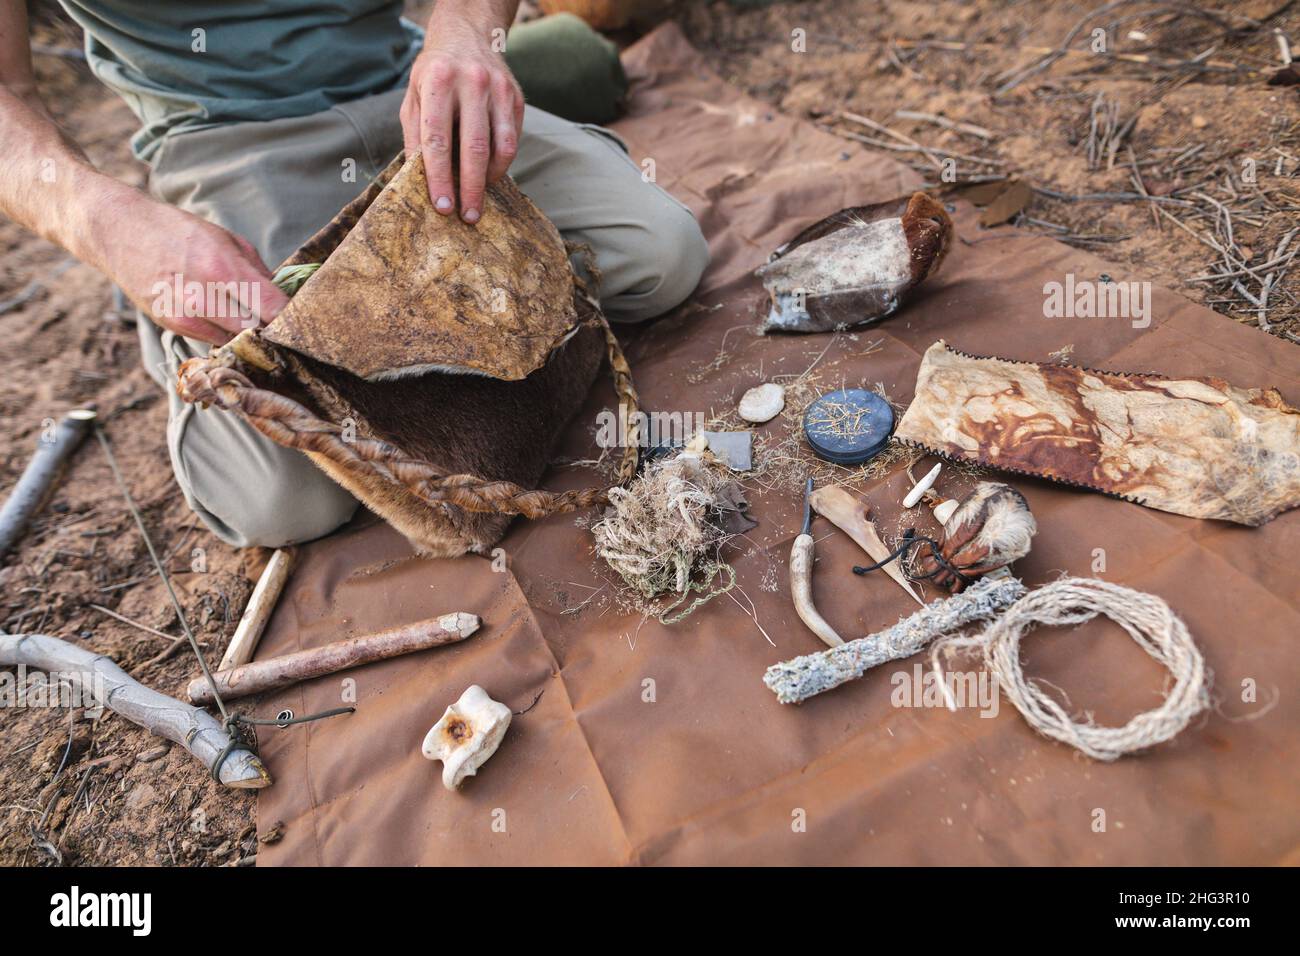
(478, 17)
(48, 185)
(46, 182)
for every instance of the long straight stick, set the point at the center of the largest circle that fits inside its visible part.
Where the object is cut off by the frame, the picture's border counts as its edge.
(303, 665)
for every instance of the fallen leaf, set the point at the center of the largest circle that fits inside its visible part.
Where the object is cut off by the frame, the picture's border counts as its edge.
(1011, 201)
(981, 194)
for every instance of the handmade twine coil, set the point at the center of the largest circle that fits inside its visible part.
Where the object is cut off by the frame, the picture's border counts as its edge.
(1147, 619)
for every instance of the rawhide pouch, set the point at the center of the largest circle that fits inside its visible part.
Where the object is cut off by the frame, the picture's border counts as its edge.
(855, 267)
(1192, 446)
(427, 365)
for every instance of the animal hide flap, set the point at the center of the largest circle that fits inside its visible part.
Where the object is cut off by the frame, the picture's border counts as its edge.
(437, 294)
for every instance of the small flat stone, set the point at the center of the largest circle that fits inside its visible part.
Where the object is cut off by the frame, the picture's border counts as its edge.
(762, 403)
(141, 795)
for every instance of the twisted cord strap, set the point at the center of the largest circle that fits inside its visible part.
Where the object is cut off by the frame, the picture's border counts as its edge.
(618, 364)
(213, 381)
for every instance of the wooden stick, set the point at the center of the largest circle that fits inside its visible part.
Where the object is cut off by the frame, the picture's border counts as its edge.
(136, 624)
(332, 658)
(957, 126)
(42, 474)
(258, 612)
(796, 680)
(931, 151)
(852, 517)
(194, 729)
(893, 134)
(952, 46)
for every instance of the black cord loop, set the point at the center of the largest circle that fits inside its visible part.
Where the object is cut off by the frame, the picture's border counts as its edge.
(911, 540)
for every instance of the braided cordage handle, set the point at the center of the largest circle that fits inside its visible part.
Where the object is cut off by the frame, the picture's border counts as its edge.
(213, 381)
(627, 397)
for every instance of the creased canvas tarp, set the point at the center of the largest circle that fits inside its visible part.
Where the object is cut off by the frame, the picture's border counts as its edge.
(659, 745)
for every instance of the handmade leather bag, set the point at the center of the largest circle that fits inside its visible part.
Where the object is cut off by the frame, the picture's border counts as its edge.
(427, 365)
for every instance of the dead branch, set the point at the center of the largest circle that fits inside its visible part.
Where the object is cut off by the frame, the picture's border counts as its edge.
(98, 676)
(42, 474)
(258, 612)
(942, 121)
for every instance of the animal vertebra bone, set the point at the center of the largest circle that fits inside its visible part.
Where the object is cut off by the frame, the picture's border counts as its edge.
(467, 735)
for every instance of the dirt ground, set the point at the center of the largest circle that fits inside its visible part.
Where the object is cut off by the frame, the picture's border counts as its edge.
(1177, 108)
(1216, 145)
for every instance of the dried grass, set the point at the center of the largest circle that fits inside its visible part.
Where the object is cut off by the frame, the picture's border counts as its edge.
(782, 459)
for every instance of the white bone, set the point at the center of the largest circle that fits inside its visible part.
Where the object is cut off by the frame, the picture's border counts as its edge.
(922, 486)
(467, 735)
(944, 509)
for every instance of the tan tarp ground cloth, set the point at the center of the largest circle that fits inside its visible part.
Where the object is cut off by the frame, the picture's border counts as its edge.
(714, 770)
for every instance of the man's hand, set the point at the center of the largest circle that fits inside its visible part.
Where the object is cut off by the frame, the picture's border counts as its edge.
(189, 275)
(463, 103)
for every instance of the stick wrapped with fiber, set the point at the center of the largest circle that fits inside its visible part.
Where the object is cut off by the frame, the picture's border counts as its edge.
(794, 681)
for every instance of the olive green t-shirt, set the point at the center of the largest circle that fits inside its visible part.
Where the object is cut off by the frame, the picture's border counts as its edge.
(185, 65)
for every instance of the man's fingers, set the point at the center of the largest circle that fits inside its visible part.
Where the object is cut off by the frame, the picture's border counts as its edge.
(475, 139)
(232, 305)
(263, 302)
(196, 310)
(436, 109)
(260, 299)
(409, 115)
(193, 327)
(505, 127)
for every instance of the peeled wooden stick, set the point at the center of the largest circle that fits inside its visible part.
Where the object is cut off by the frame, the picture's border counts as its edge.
(852, 517)
(332, 658)
(258, 611)
(42, 474)
(194, 729)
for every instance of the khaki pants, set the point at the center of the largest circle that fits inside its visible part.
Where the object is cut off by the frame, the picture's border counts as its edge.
(277, 182)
